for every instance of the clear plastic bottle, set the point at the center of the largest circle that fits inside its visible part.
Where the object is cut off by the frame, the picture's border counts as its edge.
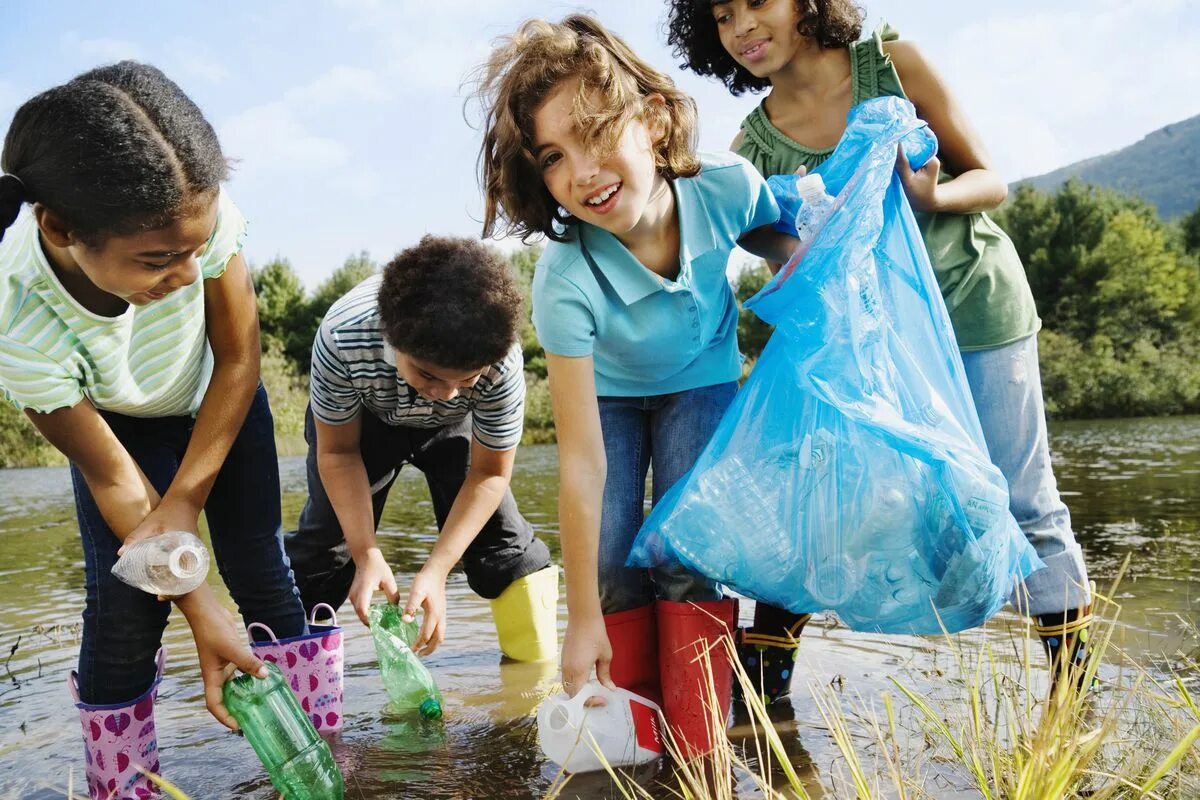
(816, 207)
(170, 564)
(408, 682)
(298, 760)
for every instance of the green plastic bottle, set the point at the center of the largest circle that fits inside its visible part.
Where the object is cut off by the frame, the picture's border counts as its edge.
(298, 760)
(406, 679)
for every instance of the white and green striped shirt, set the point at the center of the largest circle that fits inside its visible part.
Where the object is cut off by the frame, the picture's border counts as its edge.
(151, 361)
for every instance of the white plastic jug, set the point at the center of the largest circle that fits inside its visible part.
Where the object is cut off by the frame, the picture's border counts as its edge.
(625, 731)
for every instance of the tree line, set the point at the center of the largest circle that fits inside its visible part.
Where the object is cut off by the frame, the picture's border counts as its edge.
(1117, 288)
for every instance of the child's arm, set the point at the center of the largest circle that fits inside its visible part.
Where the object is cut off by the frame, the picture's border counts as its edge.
(231, 321)
(120, 489)
(481, 494)
(125, 498)
(344, 478)
(769, 244)
(582, 470)
(977, 186)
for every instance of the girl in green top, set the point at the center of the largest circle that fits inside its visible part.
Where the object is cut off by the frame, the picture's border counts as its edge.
(807, 54)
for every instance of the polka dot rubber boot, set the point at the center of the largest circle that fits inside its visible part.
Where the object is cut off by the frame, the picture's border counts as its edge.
(767, 651)
(1065, 639)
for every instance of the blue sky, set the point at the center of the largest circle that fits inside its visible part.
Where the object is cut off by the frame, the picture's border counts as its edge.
(347, 118)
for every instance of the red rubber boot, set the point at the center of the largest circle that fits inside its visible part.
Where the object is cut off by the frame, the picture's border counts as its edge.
(633, 635)
(686, 631)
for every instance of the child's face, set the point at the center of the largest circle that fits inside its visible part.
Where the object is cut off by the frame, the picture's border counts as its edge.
(614, 192)
(433, 382)
(143, 267)
(760, 34)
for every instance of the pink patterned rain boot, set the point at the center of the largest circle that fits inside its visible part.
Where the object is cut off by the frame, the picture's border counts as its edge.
(118, 737)
(312, 664)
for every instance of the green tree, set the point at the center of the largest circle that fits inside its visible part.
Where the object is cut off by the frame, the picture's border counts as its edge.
(1146, 290)
(1190, 226)
(524, 261)
(752, 331)
(283, 313)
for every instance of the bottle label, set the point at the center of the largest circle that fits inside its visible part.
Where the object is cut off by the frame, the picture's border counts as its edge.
(646, 728)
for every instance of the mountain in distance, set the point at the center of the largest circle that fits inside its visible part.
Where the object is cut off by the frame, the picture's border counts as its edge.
(1163, 169)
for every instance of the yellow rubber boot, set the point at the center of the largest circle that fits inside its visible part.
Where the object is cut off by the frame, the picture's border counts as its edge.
(526, 616)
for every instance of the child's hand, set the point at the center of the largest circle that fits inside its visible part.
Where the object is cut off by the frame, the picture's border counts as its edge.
(371, 573)
(921, 185)
(221, 644)
(169, 515)
(428, 593)
(585, 646)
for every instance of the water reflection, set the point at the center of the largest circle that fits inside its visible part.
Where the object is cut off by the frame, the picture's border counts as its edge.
(1133, 487)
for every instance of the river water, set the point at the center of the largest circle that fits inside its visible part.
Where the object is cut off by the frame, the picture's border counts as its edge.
(1133, 487)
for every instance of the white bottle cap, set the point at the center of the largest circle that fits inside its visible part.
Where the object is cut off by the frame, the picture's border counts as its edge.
(810, 187)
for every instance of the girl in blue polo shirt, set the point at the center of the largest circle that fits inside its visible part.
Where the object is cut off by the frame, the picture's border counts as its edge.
(588, 145)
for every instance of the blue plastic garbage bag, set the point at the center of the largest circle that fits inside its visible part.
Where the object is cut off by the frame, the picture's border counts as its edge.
(851, 473)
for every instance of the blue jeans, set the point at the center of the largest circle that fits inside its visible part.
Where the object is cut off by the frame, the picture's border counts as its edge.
(1006, 384)
(668, 431)
(122, 626)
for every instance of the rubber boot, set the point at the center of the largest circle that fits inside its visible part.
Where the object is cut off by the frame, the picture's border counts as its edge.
(1065, 639)
(633, 635)
(695, 670)
(767, 652)
(313, 665)
(526, 616)
(118, 738)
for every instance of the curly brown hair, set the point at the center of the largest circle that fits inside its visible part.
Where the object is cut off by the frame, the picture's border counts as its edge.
(692, 33)
(452, 302)
(523, 70)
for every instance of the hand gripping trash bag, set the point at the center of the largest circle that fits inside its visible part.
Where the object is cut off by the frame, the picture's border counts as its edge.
(851, 473)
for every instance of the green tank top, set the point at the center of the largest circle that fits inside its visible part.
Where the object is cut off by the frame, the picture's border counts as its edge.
(977, 267)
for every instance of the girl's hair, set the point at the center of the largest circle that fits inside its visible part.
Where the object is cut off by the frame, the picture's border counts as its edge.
(692, 32)
(523, 71)
(113, 151)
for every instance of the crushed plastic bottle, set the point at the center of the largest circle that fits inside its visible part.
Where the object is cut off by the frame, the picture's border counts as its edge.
(170, 564)
(624, 732)
(298, 760)
(408, 682)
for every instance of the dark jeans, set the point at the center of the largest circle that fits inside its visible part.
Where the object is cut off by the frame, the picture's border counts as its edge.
(122, 626)
(669, 431)
(504, 550)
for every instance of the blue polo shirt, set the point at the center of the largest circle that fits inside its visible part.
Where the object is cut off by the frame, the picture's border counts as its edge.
(646, 334)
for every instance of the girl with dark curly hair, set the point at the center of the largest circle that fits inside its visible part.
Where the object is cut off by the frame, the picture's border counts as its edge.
(587, 144)
(807, 54)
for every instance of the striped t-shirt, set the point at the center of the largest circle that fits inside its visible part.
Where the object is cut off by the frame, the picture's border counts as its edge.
(353, 367)
(149, 361)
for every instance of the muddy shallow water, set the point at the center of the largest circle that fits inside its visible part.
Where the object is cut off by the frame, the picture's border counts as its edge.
(1133, 487)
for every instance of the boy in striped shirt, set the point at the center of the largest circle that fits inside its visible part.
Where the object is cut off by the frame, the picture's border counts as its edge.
(422, 365)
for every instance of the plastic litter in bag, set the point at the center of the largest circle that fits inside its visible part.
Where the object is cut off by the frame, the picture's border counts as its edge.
(850, 473)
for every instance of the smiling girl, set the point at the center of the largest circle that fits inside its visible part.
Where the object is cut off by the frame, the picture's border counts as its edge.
(129, 337)
(806, 53)
(591, 147)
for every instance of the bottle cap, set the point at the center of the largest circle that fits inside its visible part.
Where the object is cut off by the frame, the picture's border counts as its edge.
(810, 187)
(431, 708)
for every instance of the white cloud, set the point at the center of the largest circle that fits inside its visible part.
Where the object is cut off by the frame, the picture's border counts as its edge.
(339, 85)
(101, 49)
(200, 66)
(1051, 88)
(270, 137)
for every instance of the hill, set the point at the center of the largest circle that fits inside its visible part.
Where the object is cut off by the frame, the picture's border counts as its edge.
(1163, 169)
